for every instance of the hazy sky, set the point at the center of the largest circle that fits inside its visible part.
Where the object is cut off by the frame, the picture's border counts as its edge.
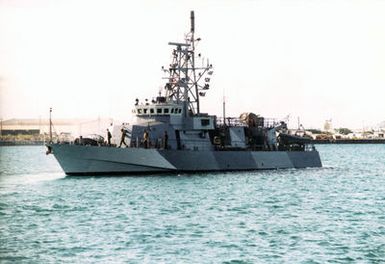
(314, 59)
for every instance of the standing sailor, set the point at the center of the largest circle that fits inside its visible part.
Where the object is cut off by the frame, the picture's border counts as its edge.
(122, 139)
(145, 139)
(109, 136)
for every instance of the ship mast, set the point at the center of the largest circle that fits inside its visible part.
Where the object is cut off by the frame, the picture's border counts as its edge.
(192, 18)
(185, 84)
(50, 125)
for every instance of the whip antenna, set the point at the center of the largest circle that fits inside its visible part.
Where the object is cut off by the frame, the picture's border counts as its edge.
(192, 17)
(50, 125)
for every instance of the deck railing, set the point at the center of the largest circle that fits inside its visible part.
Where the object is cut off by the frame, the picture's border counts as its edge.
(236, 121)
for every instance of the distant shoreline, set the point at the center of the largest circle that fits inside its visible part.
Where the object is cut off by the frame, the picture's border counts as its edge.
(22, 143)
(336, 141)
(349, 141)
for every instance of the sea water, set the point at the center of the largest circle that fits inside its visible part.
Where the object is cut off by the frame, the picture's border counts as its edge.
(334, 214)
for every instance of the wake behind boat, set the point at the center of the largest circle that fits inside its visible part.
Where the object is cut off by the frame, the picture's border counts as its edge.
(172, 135)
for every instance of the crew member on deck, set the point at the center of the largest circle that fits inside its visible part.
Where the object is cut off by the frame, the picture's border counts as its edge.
(122, 140)
(109, 136)
(145, 139)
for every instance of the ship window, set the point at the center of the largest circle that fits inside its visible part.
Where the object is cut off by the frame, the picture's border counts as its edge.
(151, 110)
(145, 111)
(159, 110)
(205, 122)
(180, 110)
(172, 110)
(166, 110)
(139, 111)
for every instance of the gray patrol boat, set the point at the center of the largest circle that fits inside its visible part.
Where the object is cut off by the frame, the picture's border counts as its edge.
(172, 135)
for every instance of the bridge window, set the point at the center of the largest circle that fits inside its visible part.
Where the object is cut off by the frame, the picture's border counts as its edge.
(159, 110)
(172, 110)
(151, 110)
(166, 110)
(145, 111)
(205, 122)
(139, 111)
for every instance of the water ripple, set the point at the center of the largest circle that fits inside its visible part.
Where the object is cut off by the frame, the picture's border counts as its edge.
(333, 214)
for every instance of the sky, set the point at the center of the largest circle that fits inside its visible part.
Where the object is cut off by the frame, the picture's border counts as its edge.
(312, 60)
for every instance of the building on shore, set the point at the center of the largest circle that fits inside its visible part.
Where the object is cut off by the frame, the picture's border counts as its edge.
(39, 129)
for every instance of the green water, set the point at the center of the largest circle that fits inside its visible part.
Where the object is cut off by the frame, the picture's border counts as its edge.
(334, 214)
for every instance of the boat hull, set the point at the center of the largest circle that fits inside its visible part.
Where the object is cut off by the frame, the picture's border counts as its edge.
(94, 160)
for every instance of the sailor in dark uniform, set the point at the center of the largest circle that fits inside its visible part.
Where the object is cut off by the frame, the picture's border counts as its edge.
(109, 136)
(145, 139)
(122, 139)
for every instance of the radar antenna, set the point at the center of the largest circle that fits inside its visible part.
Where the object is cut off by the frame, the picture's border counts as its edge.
(186, 83)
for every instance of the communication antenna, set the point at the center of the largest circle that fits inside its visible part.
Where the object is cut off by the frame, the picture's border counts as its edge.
(192, 40)
(50, 125)
(299, 123)
(224, 108)
(192, 17)
(186, 83)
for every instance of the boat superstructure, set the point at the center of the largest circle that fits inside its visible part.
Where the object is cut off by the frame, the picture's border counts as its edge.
(172, 134)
